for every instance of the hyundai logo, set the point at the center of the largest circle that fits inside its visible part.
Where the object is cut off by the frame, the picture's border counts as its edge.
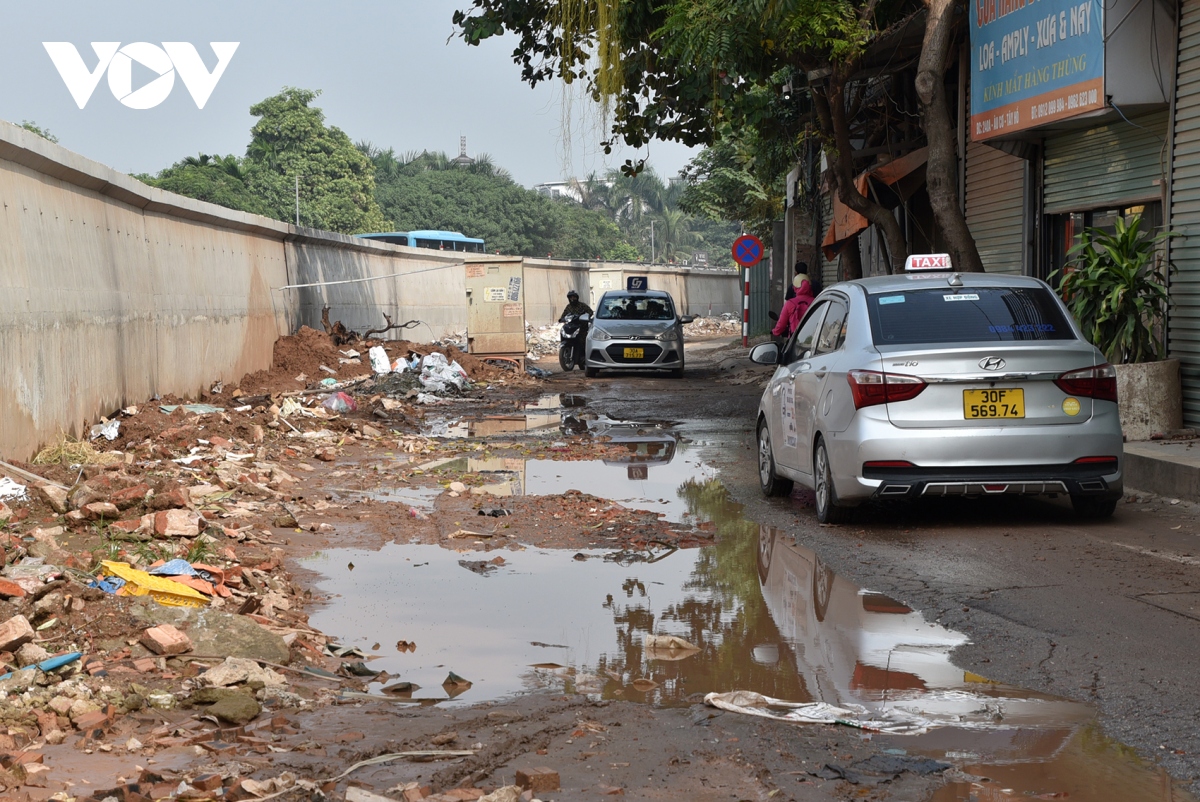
(992, 363)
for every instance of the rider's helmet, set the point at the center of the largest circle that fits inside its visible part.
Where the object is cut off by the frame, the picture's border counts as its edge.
(572, 294)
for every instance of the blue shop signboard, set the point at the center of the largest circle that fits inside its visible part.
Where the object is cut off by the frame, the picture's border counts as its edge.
(1034, 62)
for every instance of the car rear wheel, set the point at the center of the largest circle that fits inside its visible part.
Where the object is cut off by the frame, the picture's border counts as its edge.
(828, 510)
(772, 484)
(1092, 507)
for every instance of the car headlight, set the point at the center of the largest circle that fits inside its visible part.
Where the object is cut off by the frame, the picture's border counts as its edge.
(669, 334)
(600, 334)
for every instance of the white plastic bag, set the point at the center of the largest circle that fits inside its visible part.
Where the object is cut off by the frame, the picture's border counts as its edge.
(380, 363)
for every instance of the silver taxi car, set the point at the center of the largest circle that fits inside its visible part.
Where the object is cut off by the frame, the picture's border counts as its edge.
(636, 330)
(939, 384)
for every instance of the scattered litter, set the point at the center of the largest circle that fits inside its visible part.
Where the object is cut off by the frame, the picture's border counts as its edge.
(380, 363)
(195, 409)
(429, 398)
(496, 513)
(536, 372)
(756, 704)
(109, 431)
(163, 591)
(329, 382)
(50, 664)
(10, 489)
(340, 404)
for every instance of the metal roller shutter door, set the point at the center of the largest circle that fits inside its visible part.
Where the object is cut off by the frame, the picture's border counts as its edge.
(1184, 329)
(996, 207)
(829, 270)
(1113, 163)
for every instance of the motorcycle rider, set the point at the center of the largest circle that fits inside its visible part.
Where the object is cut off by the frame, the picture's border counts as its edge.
(574, 306)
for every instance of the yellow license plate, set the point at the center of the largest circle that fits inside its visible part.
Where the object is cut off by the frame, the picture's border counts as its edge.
(635, 353)
(980, 404)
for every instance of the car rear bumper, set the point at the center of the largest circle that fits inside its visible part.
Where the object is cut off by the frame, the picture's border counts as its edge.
(656, 354)
(1012, 460)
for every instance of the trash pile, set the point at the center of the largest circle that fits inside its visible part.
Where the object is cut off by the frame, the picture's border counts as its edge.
(542, 341)
(726, 325)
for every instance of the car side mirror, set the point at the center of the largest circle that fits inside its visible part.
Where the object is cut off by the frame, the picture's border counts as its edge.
(765, 354)
(585, 317)
(686, 319)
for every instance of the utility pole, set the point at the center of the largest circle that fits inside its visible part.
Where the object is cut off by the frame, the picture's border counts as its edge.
(297, 200)
(651, 242)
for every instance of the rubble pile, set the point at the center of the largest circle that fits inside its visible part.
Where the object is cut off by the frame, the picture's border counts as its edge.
(542, 341)
(726, 325)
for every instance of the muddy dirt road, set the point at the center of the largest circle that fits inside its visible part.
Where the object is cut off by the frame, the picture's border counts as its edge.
(555, 577)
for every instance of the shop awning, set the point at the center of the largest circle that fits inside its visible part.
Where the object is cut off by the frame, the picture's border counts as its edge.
(846, 222)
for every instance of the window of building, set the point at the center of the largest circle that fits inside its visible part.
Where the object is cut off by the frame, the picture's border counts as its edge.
(1064, 229)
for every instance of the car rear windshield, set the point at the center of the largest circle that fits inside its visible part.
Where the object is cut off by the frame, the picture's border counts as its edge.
(959, 314)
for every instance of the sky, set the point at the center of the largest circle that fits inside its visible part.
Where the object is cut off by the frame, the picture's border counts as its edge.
(386, 70)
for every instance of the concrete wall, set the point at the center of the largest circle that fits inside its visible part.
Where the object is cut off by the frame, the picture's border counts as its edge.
(112, 291)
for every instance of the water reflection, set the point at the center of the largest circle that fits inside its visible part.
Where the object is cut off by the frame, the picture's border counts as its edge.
(642, 469)
(763, 611)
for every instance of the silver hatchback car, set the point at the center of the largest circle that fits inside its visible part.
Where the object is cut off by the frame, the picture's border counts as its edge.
(636, 331)
(939, 384)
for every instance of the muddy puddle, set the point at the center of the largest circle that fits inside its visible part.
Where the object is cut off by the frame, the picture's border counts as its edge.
(541, 415)
(761, 609)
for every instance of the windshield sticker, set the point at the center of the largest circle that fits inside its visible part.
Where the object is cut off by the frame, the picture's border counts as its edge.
(1023, 328)
(891, 299)
(967, 297)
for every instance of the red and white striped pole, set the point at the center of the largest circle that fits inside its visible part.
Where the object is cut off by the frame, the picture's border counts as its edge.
(746, 312)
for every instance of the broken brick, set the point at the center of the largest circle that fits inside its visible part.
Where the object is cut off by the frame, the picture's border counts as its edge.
(15, 633)
(56, 497)
(207, 782)
(10, 589)
(130, 496)
(166, 639)
(538, 779)
(89, 722)
(176, 523)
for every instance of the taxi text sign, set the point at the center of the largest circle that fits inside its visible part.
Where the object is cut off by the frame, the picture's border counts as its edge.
(1034, 62)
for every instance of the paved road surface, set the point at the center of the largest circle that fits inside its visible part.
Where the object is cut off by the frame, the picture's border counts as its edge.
(1107, 613)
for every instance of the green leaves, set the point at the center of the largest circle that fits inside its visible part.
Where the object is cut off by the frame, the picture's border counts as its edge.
(290, 141)
(1115, 288)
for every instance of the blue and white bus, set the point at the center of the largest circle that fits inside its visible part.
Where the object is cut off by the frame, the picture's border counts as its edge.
(434, 240)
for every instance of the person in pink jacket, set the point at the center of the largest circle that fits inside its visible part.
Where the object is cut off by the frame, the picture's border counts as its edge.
(794, 307)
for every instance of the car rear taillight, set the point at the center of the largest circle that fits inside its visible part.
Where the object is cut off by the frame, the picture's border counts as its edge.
(871, 387)
(1099, 382)
(1099, 462)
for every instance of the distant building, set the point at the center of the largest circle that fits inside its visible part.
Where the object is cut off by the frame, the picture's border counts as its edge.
(559, 189)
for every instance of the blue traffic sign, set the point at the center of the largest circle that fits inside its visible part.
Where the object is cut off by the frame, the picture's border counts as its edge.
(747, 250)
(636, 283)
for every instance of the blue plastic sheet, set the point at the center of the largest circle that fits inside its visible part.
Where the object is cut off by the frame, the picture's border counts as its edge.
(175, 567)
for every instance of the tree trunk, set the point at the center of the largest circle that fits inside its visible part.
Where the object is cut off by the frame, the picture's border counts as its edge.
(831, 112)
(941, 171)
(850, 261)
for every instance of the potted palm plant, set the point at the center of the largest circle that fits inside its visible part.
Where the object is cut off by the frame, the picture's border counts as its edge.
(1115, 286)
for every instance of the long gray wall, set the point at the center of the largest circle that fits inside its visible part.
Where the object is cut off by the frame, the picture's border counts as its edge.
(112, 291)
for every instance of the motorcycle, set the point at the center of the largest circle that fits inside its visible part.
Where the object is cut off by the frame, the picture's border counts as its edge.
(571, 341)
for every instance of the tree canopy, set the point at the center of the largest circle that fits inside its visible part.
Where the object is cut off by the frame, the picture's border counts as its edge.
(290, 141)
(788, 72)
(359, 188)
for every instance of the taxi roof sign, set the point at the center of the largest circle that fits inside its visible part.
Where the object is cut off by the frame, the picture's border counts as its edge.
(928, 261)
